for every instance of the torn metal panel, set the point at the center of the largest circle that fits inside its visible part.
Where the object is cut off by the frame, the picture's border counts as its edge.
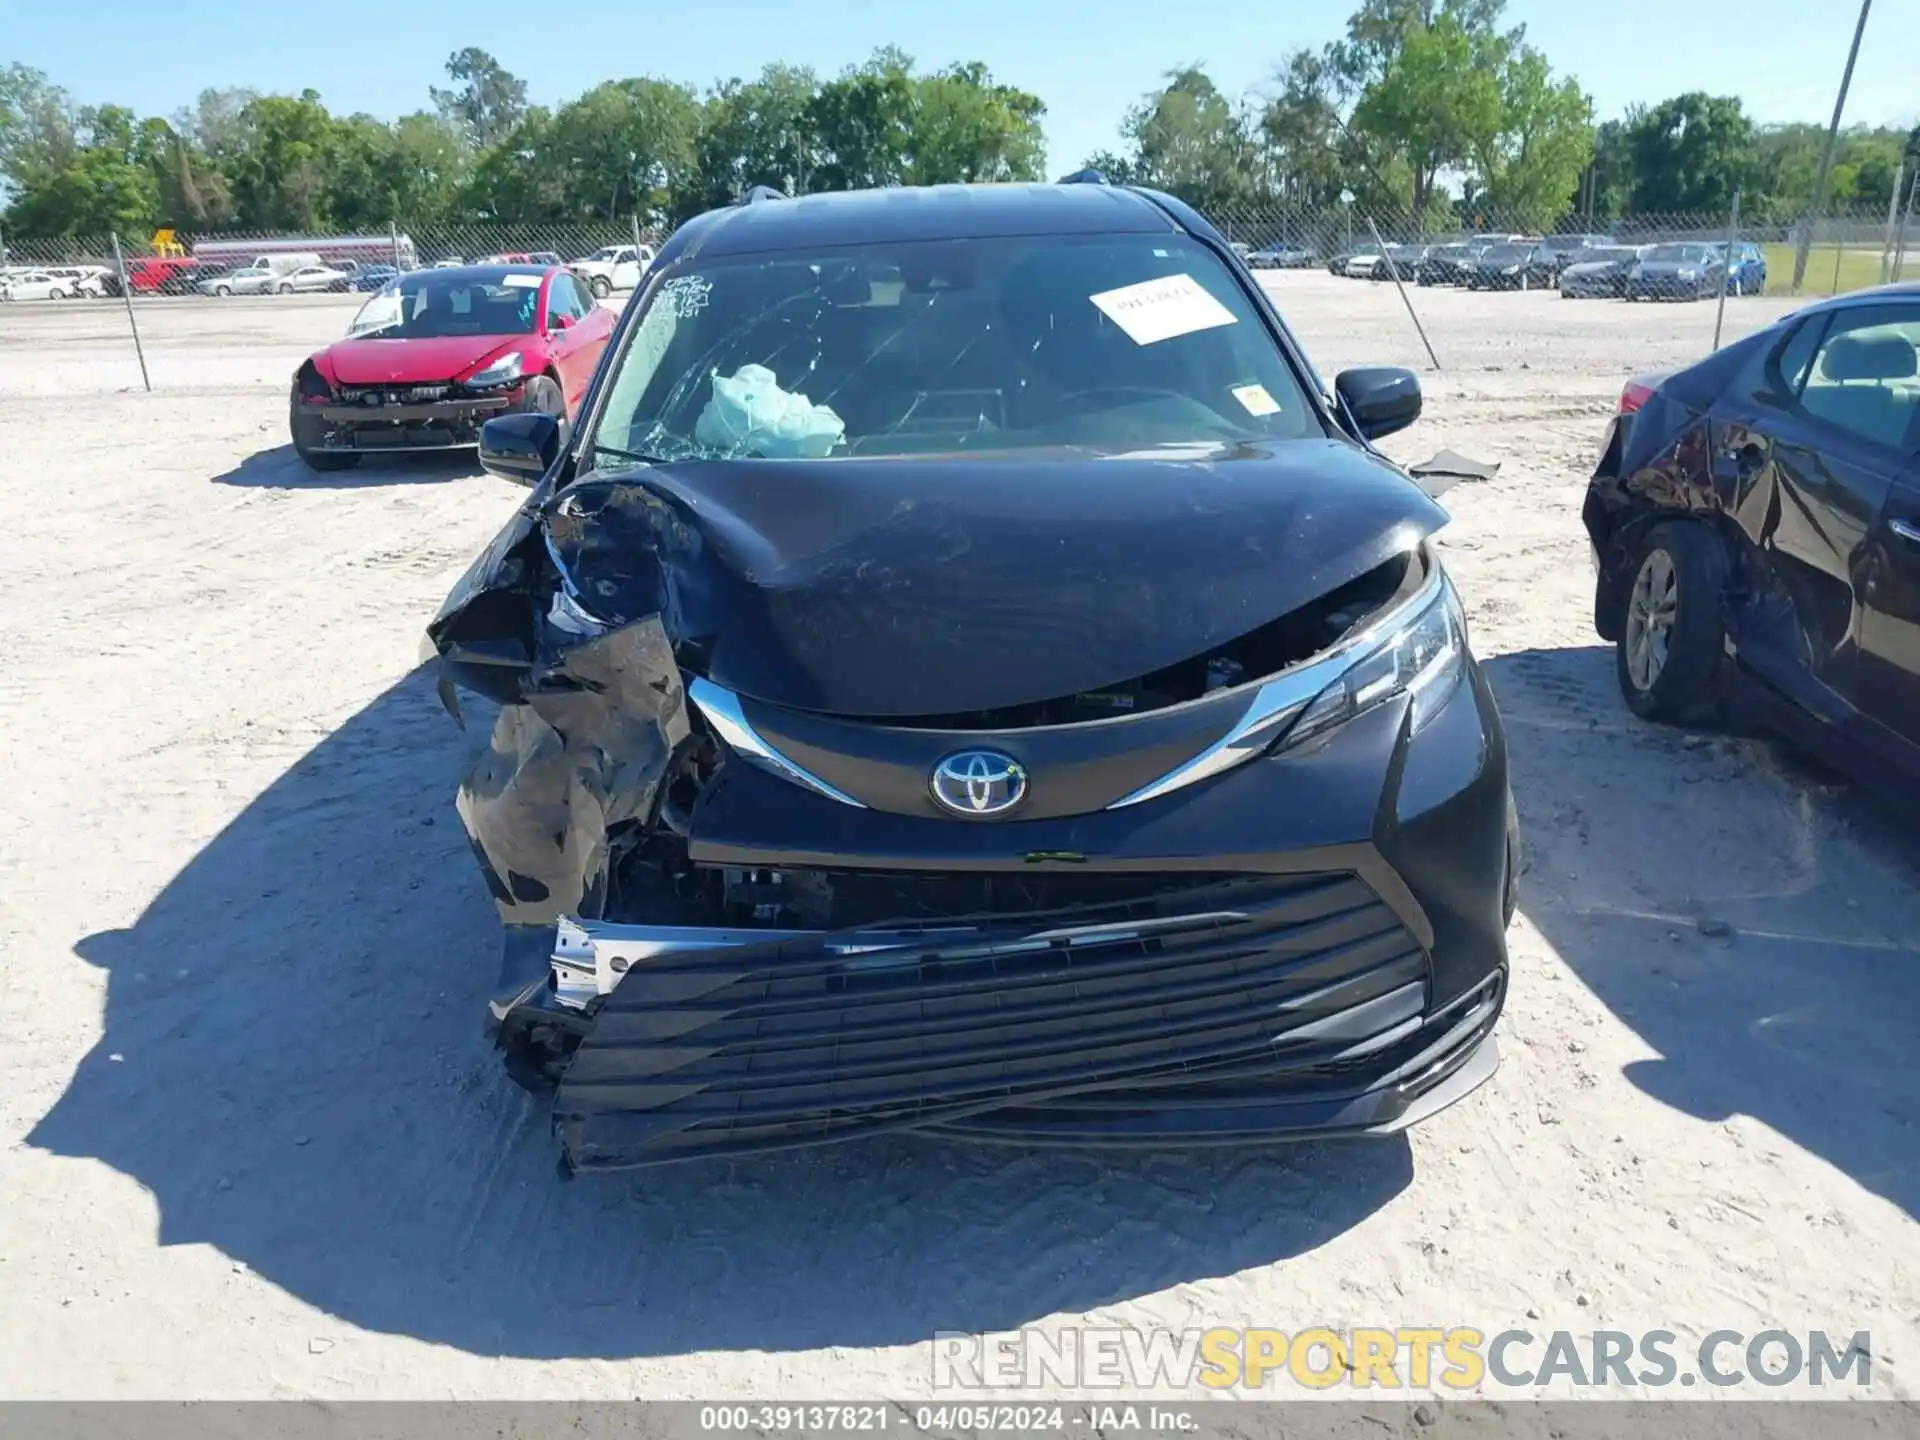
(583, 754)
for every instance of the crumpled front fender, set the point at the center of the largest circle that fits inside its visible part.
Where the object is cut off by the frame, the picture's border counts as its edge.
(587, 729)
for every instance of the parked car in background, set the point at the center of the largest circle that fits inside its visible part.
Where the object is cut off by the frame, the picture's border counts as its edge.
(1572, 249)
(1361, 263)
(38, 285)
(1337, 262)
(1688, 270)
(613, 267)
(161, 274)
(439, 351)
(1524, 266)
(521, 257)
(312, 280)
(1747, 275)
(1448, 264)
(1755, 523)
(84, 280)
(333, 250)
(1281, 257)
(259, 276)
(371, 278)
(1400, 260)
(1600, 273)
(243, 281)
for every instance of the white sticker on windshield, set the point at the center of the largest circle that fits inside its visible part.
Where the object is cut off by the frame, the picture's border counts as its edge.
(521, 282)
(1161, 309)
(1255, 400)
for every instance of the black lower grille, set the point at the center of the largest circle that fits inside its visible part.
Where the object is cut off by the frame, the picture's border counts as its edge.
(373, 395)
(786, 1043)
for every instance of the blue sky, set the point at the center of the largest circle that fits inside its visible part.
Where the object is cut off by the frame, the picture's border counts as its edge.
(1087, 61)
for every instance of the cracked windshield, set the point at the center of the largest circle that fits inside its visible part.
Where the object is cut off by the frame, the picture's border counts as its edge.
(1052, 343)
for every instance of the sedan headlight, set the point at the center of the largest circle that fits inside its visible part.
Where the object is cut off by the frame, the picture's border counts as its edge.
(503, 371)
(1424, 656)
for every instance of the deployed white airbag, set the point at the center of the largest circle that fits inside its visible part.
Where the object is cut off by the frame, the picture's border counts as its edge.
(750, 414)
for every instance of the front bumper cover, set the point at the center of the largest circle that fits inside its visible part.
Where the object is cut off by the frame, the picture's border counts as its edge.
(1317, 950)
(434, 425)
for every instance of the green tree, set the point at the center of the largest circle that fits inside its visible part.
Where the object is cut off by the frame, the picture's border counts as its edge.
(37, 123)
(511, 181)
(486, 101)
(1433, 105)
(860, 125)
(1542, 139)
(752, 132)
(1691, 153)
(79, 172)
(625, 146)
(1191, 141)
(1304, 132)
(967, 128)
(282, 165)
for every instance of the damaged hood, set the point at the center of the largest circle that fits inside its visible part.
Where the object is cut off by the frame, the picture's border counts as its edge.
(932, 587)
(426, 360)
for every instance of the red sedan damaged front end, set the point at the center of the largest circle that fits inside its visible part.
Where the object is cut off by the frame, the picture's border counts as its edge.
(435, 355)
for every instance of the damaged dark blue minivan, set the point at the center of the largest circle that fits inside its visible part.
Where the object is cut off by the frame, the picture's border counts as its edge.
(963, 670)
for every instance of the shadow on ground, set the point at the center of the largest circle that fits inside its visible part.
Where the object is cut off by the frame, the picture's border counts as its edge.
(291, 1062)
(1753, 918)
(279, 468)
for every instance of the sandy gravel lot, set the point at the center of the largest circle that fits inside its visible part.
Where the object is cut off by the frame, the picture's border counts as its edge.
(252, 1144)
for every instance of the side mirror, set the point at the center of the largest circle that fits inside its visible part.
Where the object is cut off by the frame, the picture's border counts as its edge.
(519, 447)
(1381, 399)
(560, 321)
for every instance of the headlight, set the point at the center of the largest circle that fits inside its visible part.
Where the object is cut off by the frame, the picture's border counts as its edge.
(503, 371)
(1424, 657)
(1689, 274)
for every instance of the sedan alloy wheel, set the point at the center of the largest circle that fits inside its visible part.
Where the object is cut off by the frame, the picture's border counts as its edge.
(1651, 610)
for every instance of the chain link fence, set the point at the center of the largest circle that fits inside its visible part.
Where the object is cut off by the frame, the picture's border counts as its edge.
(1306, 255)
(1846, 249)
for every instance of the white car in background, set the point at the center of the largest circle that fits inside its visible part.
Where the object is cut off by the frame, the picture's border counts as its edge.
(89, 280)
(310, 279)
(303, 281)
(38, 285)
(613, 267)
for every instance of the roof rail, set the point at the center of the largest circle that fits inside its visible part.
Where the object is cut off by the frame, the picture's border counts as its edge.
(1082, 177)
(762, 192)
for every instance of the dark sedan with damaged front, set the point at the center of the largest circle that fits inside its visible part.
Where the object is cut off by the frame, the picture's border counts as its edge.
(965, 672)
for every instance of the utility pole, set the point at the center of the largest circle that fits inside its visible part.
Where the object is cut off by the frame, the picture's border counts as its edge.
(1826, 159)
(1893, 218)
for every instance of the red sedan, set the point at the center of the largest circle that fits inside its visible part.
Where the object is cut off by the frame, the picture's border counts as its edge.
(437, 353)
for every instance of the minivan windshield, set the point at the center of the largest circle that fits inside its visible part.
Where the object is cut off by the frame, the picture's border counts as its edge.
(1507, 254)
(1109, 343)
